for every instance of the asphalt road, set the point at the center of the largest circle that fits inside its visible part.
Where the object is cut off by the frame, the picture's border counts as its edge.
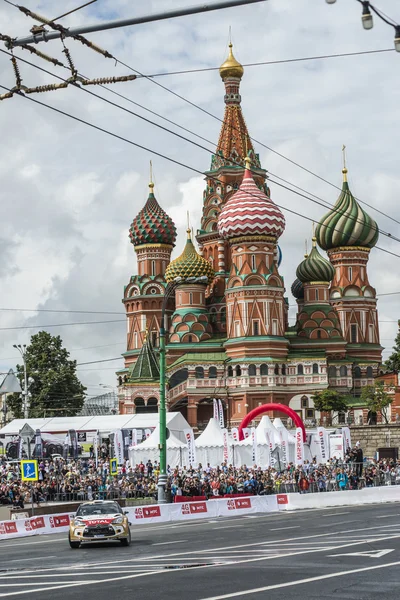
(349, 553)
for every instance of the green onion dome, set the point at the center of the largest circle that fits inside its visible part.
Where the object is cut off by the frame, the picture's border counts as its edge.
(189, 264)
(347, 224)
(297, 289)
(315, 267)
(152, 225)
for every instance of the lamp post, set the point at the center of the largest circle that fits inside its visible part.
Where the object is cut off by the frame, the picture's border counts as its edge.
(169, 290)
(22, 350)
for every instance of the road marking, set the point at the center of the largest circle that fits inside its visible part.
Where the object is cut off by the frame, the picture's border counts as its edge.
(300, 582)
(337, 514)
(370, 553)
(167, 543)
(29, 559)
(228, 527)
(282, 528)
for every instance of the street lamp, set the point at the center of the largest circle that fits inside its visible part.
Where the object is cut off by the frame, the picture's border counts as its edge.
(22, 350)
(169, 290)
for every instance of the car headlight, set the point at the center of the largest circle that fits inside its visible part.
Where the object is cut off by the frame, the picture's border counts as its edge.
(118, 520)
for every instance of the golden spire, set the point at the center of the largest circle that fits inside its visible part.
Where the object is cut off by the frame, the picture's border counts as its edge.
(231, 67)
(151, 184)
(188, 230)
(314, 239)
(247, 162)
(344, 170)
(305, 244)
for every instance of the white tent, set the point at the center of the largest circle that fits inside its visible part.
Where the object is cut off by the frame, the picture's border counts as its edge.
(210, 445)
(177, 454)
(277, 423)
(244, 449)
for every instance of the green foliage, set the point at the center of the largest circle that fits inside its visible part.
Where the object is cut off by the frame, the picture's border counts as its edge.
(377, 398)
(56, 390)
(330, 401)
(393, 362)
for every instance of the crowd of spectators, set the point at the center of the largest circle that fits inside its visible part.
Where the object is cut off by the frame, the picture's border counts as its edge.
(74, 480)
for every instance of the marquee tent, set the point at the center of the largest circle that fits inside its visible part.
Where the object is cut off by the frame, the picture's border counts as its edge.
(210, 445)
(177, 453)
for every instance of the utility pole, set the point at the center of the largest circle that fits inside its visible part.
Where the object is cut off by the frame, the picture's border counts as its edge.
(46, 36)
(22, 351)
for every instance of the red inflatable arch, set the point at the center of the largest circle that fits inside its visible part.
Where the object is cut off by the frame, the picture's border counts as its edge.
(267, 408)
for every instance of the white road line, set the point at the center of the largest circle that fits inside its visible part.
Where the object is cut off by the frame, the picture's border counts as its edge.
(228, 527)
(282, 528)
(301, 581)
(29, 559)
(337, 514)
(167, 543)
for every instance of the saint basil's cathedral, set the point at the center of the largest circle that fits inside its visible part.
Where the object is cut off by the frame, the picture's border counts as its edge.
(228, 334)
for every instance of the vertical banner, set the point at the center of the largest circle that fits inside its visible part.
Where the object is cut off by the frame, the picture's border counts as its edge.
(125, 437)
(20, 447)
(221, 414)
(215, 411)
(74, 443)
(147, 433)
(189, 435)
(346, 439)
(134, 437)
(336, 446)
(324, 452)
(254, 445)
(235, 434)
(119, 447)
(226, 445)
(38, 444)
(66, 446)
(299, 446)
(96, 448)
(268, 437)
(246, 432)
(284, 437)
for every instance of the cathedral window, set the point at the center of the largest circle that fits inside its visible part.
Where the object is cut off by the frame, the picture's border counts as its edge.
(252, 370)
(230, 372)
(343, 371)
(304, 401)
(300, 370)
(264, 370)
(332, 372)
(199, 373)
(256, 327)
(350, 277)
(357, 373)
(319, 334)
(283, 369)
(237, 328)
(253, 262)
(238, 371)
(153, 267)
(315, 369)
(316, 295)
(370, 372)
(212, 373)
(371, 334)
(276, 370)
(274, 326)
(353, 334)
(136, 339)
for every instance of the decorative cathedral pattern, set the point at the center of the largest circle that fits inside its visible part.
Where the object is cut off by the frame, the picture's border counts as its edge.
(228, 329)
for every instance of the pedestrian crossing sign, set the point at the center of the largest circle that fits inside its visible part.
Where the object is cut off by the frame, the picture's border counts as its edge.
(113, 466)
(29, 470)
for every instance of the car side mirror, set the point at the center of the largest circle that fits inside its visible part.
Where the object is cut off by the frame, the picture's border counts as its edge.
(126, 512)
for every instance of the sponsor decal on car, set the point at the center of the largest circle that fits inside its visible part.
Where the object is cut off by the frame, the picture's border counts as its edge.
(106, 521)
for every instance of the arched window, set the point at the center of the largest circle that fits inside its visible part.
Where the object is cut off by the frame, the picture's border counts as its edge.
(283, 369)
(212, 373)
(357, 373)
(300, 370)
(253, 262)
(178, 377)
(238, 371)
(230, 372)
(276, 370)
(152, 405)
(223, 314)
(264, 369)
(252, 370)
(370, 372)
(199, 373)
(315, 368)
(153, 267)
(139, 402)
(343, 371)
(332, 372)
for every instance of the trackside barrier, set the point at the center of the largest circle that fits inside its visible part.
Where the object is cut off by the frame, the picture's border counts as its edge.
(225, 507)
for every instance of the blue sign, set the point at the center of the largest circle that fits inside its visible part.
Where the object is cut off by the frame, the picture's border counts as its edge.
(29, 470)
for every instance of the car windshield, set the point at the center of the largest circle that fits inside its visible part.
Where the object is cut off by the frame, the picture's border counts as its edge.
(97, 509)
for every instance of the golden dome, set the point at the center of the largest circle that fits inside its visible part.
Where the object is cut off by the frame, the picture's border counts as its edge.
(231, 67)
(189, 264)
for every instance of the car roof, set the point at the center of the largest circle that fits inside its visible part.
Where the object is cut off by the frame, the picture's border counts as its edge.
(94, 502)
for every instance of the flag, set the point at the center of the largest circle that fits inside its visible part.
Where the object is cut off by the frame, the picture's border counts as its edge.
(254, 445)
(119, 447)
(216, 411)
(20, 447)
(226, 445)
(189, 435)
(125, 437)
(235, 434)
(299, 446)
(246, 432)
(38, 444)
(269, 447)
(74, 443)
(346, 439)
(221, 414)
(276, 459)
(134, 437)
(284, 437)
(66, 446)
(324, 451)
(96, 448)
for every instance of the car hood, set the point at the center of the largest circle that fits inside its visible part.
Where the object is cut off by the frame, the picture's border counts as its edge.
(98, 519)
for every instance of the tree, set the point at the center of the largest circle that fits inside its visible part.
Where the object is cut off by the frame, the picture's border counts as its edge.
(377, 397)
(330, 401)
(55, 389)
(393, 362)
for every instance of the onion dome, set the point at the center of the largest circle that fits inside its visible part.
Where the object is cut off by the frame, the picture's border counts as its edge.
(250, 212)
(152, 225)
(347, 224)
(231, 67)
(315, 267)
(189, 264)
(298, 289)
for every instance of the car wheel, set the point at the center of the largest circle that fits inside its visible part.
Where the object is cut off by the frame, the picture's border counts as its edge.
(73, 544)
(127, 541)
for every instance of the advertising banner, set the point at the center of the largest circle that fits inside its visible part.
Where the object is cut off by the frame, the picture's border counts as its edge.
(235, 434)
(38, 445)
(20, 447)
(284, 438)
(299, 446)
(66, 445)
(215, 409)
(134, 437)
(268, 436)
(324, 451)
(246, 432)
(74, 443)
(221, 414)
(189, 436)
(225, 439)
(336, 446)
(119, 447)
(96, 448)
(347, 438)
(126, 439)
(254, 453)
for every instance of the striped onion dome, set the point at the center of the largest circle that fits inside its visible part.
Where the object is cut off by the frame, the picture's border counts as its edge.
(347, 224)
(189, 264)
(315, 267)
(250, 212)
(152, 225)
(297, 289)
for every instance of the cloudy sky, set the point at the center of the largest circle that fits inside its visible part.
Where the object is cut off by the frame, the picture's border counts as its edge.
(68, 193)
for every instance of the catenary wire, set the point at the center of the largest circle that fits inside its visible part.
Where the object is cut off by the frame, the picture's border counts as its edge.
(322, 202)
(61, 325)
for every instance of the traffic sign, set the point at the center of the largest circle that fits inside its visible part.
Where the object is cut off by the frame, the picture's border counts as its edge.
(29, 470)
(113, 466)
(26, 431)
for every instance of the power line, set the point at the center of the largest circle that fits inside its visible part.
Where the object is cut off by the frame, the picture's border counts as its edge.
(91, 312)
(100, 361)
(61, 325)
(72, 350)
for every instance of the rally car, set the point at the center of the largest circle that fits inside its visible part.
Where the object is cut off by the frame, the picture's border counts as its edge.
(99, 521)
